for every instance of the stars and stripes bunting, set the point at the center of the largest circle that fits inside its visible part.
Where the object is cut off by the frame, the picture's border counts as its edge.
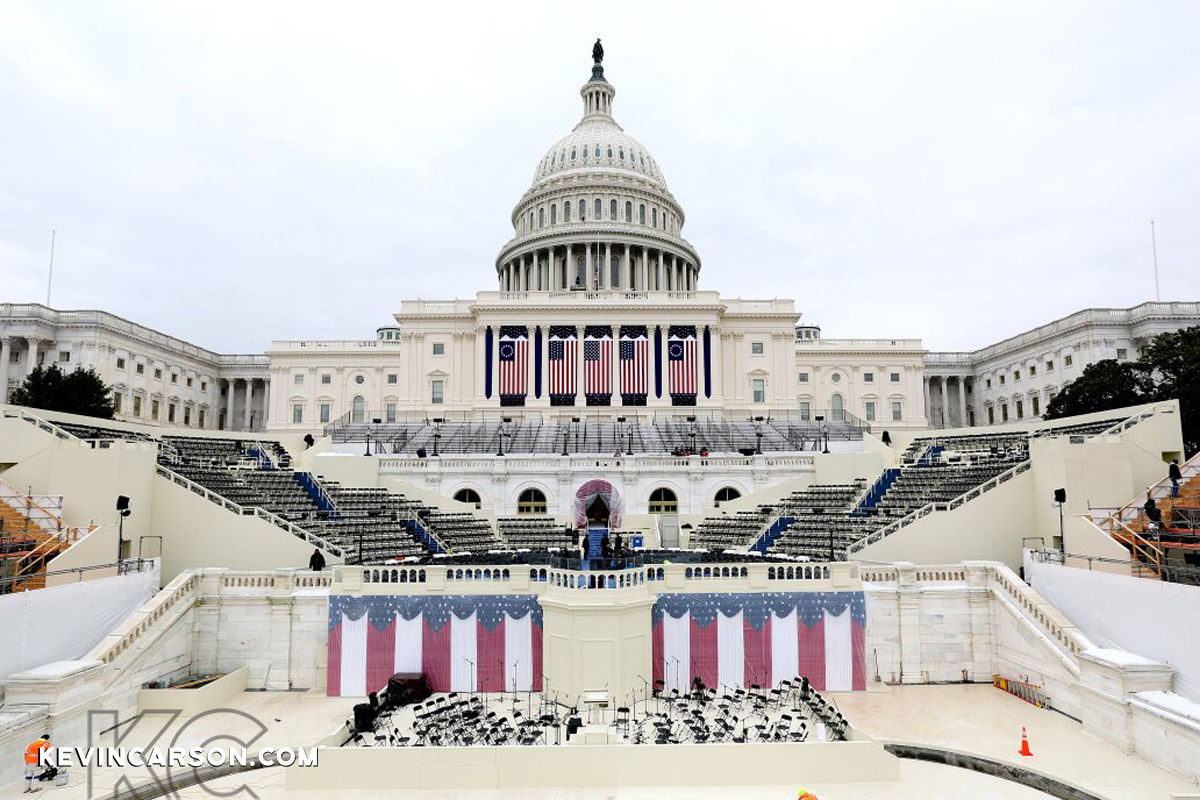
(681, 364)
(461, 643)
(513, 363)
(634, 361)
(739, 639)
(563, 364)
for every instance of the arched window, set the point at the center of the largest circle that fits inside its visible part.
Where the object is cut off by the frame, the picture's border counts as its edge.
(654, 218)
(358, 409)
(567, 211)
(542, 217)
(628, 211)
(835, 408)
(725, 494)
(599, 209)
(641, 213)
(663, 501)
(582, 211)
(615, 270)
(553, 214)
(612, 210)
(531, 501)
(468, 496)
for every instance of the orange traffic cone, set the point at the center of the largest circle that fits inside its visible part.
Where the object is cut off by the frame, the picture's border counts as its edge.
(1025, 751)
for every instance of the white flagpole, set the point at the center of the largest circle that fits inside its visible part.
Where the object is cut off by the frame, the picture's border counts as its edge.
(50, 277)
(1154, 250)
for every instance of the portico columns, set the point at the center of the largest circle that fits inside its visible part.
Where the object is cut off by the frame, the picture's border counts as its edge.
(249, 400)
(928, 407)
(644, 277)
(5, 357)
(658, 275)
(627, 270)
(587, 267)
(34, 343)
(962, 402)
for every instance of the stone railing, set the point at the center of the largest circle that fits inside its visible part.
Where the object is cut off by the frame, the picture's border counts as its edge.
(929, 508)
(535, 462)
(128, 637)
(249, 511)
(1035, 608)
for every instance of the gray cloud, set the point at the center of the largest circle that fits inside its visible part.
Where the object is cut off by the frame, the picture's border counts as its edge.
(233, 173)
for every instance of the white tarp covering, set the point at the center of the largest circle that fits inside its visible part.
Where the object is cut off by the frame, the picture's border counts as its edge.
(62, 623)
(1150, 618)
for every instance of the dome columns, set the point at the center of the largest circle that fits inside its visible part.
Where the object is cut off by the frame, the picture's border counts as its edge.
(599, 265)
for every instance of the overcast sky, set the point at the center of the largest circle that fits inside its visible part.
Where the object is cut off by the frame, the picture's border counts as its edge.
(233, 173)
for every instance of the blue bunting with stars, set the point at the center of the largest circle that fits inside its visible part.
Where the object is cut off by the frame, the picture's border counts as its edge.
(381, 609)
(810, 606)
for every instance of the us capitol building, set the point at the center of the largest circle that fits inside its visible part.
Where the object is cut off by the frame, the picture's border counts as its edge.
(598, 311)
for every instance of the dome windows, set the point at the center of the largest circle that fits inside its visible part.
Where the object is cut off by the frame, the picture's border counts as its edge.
(567, 211)
(621, 152)
(654, 218)
(597, 151)
(612, 210)
(641, 213)
(610, 151)
(553, 214)
(572, 153)
(582, 210)
(542, 217)
(599, 209)
(562, 157)
(628, 211)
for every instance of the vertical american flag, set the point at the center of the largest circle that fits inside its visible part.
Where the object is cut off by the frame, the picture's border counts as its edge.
(597, 361)
(514, 361)
(681, 364)
(562, 357)
(635, 346)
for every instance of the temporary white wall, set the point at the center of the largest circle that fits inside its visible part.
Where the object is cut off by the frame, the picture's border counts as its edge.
(1113, 611)
(63, 622)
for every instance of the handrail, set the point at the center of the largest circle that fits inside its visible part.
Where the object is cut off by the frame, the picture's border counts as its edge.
(1132, 420)
(256, 511)
(124, 567)
(40, 423)
(946, 505)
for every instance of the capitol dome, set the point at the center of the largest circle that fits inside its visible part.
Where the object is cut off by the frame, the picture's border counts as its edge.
(598, 214)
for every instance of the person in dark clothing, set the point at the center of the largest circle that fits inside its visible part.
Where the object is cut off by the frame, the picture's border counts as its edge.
(1175, 475)
(583, 544)
(316, 562)
(606, 551)
(887, 438)
(1153, 514)
(618, 546)
(309, 441)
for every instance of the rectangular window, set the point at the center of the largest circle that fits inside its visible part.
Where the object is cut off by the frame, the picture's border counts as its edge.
(759, 387)
(392, 378)
(1068, 360)
(14, 357)
(63, 356)
(117, 402)
(187, 416)
(1036, 405)
(435, 395)
(1049, 366)
(298, 379)
(1001, 380)
(895, 377)
(987, 383)
(153, 409)
(1004, 412)
(171, 412)
(326, 380)
(1122, 354)
(324, 413)
(140, 369)
(991, 416)
(897, 411)
(204, 386)
(805, 412)
(120, 363)
(1032, 370)
(390, 413)
(189, 383)
(868, 377)
(804, 377)
(201, 423)
(297, 413)
(756, 348)
(1020, 409)
(174, 377)
(439, 348)
(1016, 375)
(870, 411)
(137, 406)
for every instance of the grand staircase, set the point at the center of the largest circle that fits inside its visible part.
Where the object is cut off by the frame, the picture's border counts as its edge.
(31, 534)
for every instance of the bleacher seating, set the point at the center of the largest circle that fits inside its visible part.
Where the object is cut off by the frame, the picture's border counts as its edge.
(535, 532)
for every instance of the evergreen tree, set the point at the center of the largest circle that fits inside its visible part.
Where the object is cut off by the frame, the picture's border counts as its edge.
(78, 392)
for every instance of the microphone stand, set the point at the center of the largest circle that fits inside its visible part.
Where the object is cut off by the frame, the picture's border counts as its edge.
(474, 677)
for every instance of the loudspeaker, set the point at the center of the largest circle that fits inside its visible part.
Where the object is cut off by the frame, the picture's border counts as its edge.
(1060, 495)
(122, 502)
(420, 452)
(364, 717)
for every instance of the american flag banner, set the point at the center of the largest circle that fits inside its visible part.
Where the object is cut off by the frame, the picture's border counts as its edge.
(740, 640)
(597, 365)
(514, 364)
(635, 360)
(681, 364)
(562, 359)
(461, 643)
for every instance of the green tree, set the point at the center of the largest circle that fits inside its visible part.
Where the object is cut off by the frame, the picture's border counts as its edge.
(1103, 385)
(78, 392)
(1170, 366)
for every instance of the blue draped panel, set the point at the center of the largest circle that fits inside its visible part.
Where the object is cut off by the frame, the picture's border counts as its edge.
(707, 363)
(537, 361)
(658, 361)
(487, 362)
(436, 608)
